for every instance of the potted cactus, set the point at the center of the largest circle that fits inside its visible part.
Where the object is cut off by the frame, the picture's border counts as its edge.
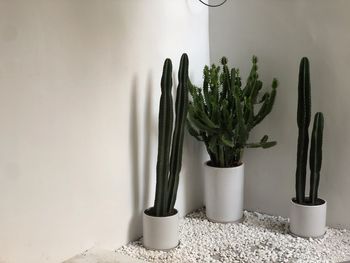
(160, 222)
(222, 114)
(308, 214)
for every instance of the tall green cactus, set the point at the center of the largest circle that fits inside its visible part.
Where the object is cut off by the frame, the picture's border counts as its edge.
(304, 115)
(303, 120)
(316, 156)
(168, 169)
(222, 113)
(165, 127)
(178, 136)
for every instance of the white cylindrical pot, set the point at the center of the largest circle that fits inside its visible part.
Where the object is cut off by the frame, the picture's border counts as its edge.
(224, 192)
(308, 220)
(160, 233)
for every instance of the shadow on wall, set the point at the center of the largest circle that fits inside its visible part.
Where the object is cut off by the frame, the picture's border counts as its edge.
(147, 142)
(192, 174)
(140, 177)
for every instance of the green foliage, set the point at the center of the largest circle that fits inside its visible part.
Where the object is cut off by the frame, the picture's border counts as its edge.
(168, 169)
(222, 113)
(303, 120)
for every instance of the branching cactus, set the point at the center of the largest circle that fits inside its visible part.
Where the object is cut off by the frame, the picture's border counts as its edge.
(170, 141)
(222, 113)
(303, 120)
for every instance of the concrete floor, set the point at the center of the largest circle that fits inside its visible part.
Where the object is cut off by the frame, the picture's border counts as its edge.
(102, 256)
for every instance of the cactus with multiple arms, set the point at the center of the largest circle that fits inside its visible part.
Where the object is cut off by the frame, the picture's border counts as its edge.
(168, 169)
(222, 113)
(303, 120)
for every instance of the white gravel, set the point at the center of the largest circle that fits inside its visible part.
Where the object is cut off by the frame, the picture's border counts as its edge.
(260, 238)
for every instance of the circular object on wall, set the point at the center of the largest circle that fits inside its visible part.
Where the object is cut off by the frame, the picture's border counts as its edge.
(217, 5)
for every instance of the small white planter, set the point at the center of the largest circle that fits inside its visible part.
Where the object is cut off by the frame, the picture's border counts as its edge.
(308, 220)
(224, 192)
(160, 233)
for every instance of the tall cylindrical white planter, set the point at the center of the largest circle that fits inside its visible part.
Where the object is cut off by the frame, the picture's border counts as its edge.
(160, 233)
(308, 220)
(224, 192)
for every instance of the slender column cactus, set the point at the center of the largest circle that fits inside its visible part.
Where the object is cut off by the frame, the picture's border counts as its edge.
(316, 156)
(168, 169)
(304, 115)
(181, 105)
(165, 127)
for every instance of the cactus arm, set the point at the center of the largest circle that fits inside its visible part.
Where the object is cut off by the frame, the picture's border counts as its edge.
(221, 155)
(181, 105)
(199, 125)
(212, 154)
(206, 88)
(254, 95)
(263, 143)
(267, 105)
(316, 156)
(242, 132)
(212, 149)
(252, 77)
(303, 119)
(225, 80)
(192, 131)
(249, 114)
(206, 120)
(165, 127)
(227, 142)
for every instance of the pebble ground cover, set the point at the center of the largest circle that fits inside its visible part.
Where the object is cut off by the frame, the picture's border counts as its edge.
(259, 238)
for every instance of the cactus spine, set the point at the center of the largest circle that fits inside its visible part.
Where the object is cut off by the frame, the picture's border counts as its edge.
(316, 156)
(303, 119)
(168, 169)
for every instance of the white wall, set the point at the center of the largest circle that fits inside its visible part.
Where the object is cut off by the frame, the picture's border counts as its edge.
(79, 91)
(280, 32)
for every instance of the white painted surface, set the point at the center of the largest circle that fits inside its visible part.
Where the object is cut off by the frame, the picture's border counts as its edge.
(224, 193)
(307, 220)
(160, 233)
(79, 90)
(280, 33)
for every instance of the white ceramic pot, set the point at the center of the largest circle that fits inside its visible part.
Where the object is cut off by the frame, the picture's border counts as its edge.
(308, 220)
(224, 192)
(160, 233)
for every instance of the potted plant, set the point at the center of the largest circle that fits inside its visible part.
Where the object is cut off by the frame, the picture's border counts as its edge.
(222, 114)
(308, 214)
(160, 222)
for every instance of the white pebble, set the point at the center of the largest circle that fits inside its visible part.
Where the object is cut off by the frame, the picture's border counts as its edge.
(260, 238)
